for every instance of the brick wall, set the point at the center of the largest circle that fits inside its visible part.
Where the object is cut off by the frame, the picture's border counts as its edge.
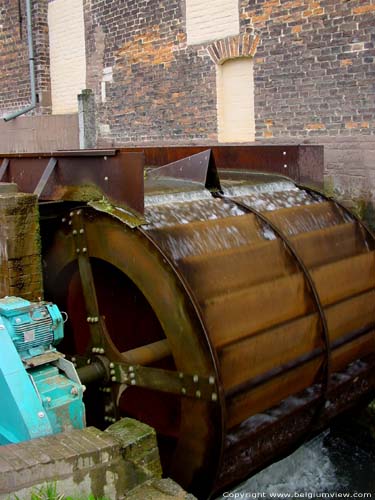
(161, 88)
(314, 67)
(314, 75)
(14, 58)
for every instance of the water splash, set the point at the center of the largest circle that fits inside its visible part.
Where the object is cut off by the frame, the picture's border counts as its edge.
(307, 470)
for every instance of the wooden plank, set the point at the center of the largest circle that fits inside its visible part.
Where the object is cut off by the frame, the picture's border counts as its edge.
(272, 348)
(218, 273)
(272, 393)
(244, 312)
(330, 244)
(203, 237)
(345, 278)
(306, 218)
(230, 317)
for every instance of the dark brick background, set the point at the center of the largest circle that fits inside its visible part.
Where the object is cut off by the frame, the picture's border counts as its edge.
(14, 57)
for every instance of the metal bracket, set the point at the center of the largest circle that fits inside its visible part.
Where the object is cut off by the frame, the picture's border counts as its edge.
(45, 176)
(193, 386)
(4, 168)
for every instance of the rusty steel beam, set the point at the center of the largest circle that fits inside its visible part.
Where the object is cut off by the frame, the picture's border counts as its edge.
(302, 163)
(80, 176)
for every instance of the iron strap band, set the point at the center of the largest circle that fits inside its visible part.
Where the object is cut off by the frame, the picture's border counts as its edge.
(310, 282)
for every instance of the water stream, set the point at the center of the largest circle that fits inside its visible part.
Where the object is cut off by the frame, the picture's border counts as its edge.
(328, 466)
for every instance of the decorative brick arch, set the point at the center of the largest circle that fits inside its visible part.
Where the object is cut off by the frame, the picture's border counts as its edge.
(243, 45)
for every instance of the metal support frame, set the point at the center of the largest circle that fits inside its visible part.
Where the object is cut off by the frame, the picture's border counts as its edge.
(4, 168)
(193, 386)
(45, 176)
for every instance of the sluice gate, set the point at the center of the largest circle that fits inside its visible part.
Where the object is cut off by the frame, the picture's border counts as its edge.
(231, 309)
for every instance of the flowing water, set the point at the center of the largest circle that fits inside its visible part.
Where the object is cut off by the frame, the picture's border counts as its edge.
(329, 466)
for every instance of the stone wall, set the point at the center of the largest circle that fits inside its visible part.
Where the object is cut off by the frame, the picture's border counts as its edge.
(20, 251)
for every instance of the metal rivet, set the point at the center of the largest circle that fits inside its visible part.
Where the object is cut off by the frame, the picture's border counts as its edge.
(81, 231)
(131, 368)
(41, 414)
(78, 250)
(74, 231)
(88, 362)
(214, 396)
(284, 153)
(111, 365)
(183, 390)
(71, 214)
(195, 378)
(113, 379)
(2, 327)
(198, 394)
(211, 380)
(84, 249)
(112, 372)
(70, 223)
(63, 219)
(73, 360)
(181, 375)
(88, 319)
(93, 349)
(285, 165)
(132, 375)
(78, 212)
(106, 178)
(101, 351)
(133, 382)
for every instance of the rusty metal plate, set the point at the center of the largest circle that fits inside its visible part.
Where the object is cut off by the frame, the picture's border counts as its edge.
(82, 176)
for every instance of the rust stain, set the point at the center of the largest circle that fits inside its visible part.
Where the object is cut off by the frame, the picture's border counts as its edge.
(149, 48)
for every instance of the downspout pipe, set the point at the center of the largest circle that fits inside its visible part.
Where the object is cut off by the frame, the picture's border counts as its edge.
(32, 105)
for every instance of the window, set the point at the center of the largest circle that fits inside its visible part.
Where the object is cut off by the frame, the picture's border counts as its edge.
(67, 54)
(211, 19)
(235, 100)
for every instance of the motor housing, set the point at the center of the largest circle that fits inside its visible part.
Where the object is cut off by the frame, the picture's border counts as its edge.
(41, 388)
